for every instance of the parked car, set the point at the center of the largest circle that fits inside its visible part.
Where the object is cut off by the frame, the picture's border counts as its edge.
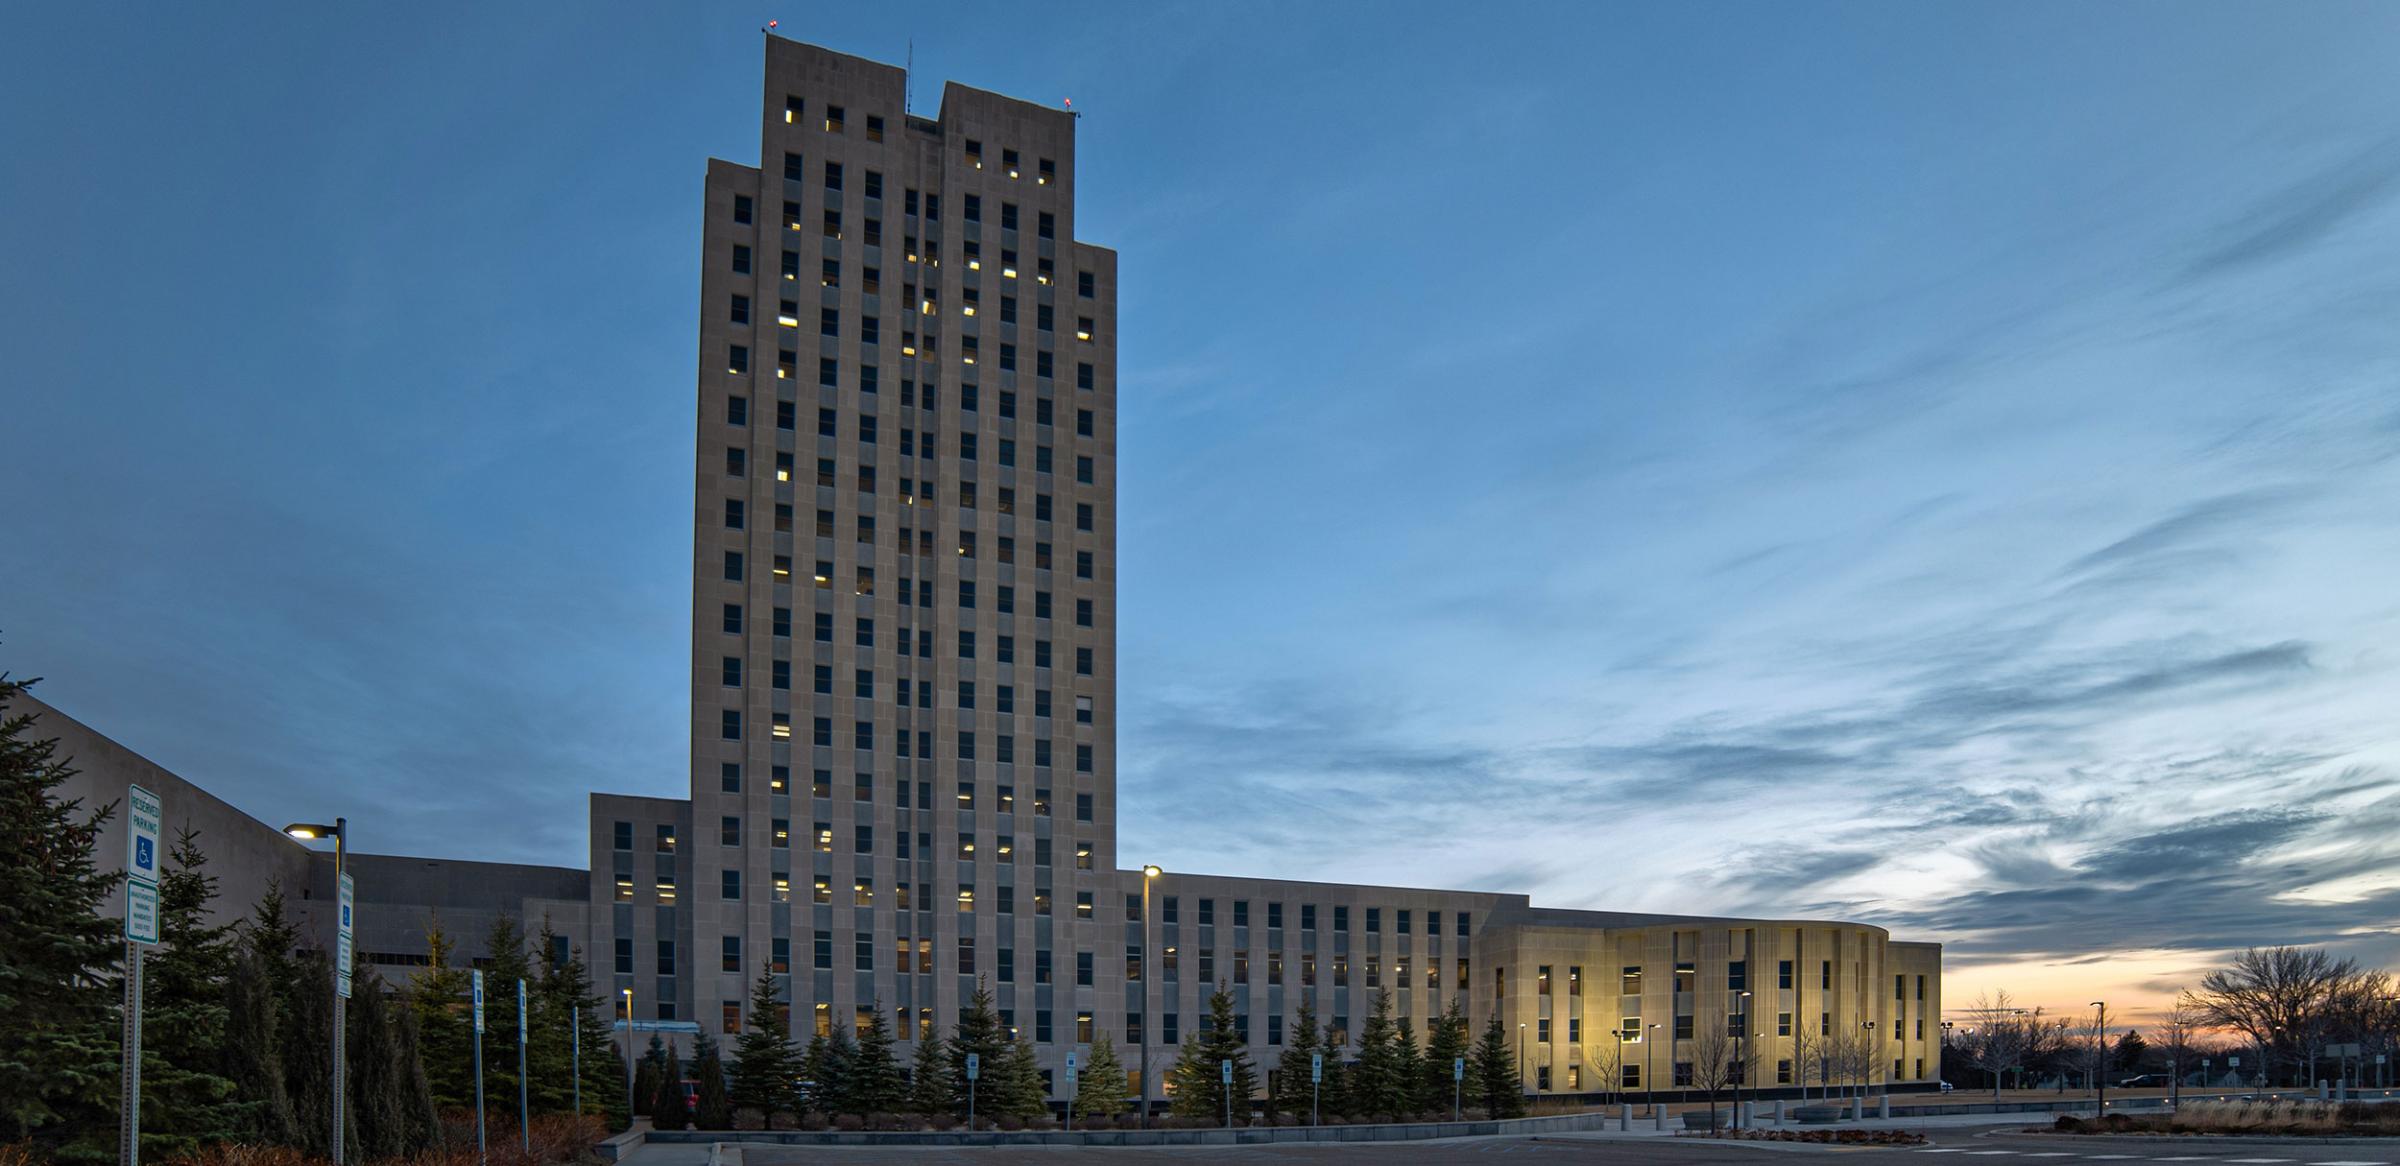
(1947, 1087)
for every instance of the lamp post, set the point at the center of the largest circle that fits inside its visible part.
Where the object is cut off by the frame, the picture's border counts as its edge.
(629, 1105)
(1741, 1046)
(1866, 1072)
(1650, 1078)
(1522, 1085)
(339, 831)
(2100, 1055)
(1149, 875)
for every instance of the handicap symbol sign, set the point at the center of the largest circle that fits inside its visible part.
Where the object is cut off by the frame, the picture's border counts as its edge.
(142, 854)
(345, 915)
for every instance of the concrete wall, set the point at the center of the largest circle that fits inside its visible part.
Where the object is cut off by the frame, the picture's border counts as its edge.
(245, 854)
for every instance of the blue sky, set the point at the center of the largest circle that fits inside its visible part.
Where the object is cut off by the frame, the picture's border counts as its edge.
(1936, 463)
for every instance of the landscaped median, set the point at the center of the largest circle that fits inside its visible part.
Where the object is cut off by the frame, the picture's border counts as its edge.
(2260, 1117)
(1240, 1136)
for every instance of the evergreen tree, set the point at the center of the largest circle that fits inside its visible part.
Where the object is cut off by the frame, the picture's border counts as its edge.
(59, 983)
(978, 1031)
(762, 1059)
(441, 996)
(1016, 1089)
(1492, 1073)
(876, 1085)
(1411, 1062)
(929, 1078)
(1445, 1044)
(672, 1110)
(307, 1046)
(646, 1075)
(186, 1102)
(1100, 1089)
(713, 1109)
(506, 964)
(563, 1001)
(251, 1057)
(378, 1091)
(550, 1003)
(1292, 1082)
(418, 1118)
(1198, 1074)
(829, 1074)
(1384, 1084)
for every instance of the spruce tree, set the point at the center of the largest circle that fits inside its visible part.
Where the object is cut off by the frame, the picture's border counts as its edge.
(929, 1078)
(1384, 1083)
(307, 1048)
(713, 1108)
(646, 1075)
(1198, 1074)
(978, 1032)
(563, 1001)
(550, 1022)
(186, 1102)
(1492, 1073)
(1411, 1062)
(1100, 1082)
(1292, 1082)
(762, 1059)
(1445, 1043)
(252, 1057)
(876, 1085)
(377, 1097)
(506, 964)
(440, 995)
(418, 1117)
(59, 982)
(1016, 1089)
(829, 1065)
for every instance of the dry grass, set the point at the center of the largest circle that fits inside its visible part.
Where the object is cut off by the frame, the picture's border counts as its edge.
(2272, 1116)
(558, 1140)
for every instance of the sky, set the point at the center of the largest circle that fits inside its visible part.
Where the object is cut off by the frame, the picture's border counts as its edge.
(1935, 465)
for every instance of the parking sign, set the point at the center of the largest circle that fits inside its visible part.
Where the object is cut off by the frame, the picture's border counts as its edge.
(479, 1001)
(143, 812)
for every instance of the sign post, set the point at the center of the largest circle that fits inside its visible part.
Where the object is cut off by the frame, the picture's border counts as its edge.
(1071, 1090)
(341, 1008)
(143, 814)
(1316, 1082)
(524, 1111)
(1225, 1074)
(1458, 1085)
(974, 1070)
(480, 1149)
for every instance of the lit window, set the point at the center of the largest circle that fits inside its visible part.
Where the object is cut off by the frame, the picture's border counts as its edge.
(783, 727)
(833, 119)
(791, 110)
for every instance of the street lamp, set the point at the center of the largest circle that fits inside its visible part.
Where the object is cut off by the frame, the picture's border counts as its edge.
(1649, 1079)
(339, 831)
(1150, 875)
(629, 1106)
(1866, 1073)
(1522, 1085)
(2100, 1055)
(1741, 1045)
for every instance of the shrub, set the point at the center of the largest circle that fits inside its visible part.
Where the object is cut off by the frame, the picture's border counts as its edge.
(849, 1123)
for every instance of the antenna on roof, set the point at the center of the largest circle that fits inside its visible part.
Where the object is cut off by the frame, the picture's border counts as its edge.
(770, 26)
(908, 77)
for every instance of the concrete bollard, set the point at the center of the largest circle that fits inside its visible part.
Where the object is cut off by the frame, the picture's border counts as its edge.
(1858, 1109)
(1625, 1116)
(1778, 1113)
(1659, 1117)
(2322, 1093)
(1883, 1108)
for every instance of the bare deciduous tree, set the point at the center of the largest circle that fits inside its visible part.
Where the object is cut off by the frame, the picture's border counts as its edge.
(2282, 998)
(1713, 1064)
